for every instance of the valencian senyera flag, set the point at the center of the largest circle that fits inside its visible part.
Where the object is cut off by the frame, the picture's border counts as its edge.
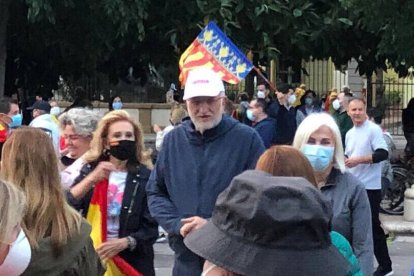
(97, 217)
(213, 49)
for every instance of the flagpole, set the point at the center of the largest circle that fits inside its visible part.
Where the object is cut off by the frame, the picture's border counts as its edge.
(259, 72)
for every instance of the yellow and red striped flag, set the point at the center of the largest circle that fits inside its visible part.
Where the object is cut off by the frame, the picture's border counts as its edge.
(214, 50)
(97, 217)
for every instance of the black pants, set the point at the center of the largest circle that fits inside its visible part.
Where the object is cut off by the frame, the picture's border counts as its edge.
(378, 235)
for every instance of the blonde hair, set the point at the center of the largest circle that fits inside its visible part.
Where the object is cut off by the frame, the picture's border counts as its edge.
(29, 162)
(12, 207)
(177, 113)
(142, 155)
(311, 124)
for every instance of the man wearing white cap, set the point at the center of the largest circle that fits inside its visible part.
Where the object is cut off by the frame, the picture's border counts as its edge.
(198, 160)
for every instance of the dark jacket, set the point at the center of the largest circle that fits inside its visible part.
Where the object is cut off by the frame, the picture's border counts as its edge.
(344, 123)
(408, 120)
(272, 107)
(351, 214)
(286, 126)
(267, 131)
(192, 169)
(79, 257)
(135, 220)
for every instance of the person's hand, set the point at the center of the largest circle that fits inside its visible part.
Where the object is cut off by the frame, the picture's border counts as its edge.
(191, 224)
(101, 171)
(109, 249)
(156, 128)
(352, 162)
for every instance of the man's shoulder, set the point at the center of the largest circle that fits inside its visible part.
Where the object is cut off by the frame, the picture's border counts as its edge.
(268, 122)
(240, 128)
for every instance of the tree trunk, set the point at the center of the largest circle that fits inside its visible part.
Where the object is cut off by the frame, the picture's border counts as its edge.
(4, 17)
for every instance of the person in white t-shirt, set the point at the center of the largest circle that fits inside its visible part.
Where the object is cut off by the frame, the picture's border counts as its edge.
(365, 148)
(176, 115)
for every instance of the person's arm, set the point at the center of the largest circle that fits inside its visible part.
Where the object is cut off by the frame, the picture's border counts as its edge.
(101, 172)
(376, 157)
(361, 228)
(159, 203)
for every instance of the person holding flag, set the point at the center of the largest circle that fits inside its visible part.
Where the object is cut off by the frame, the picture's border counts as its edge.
(111, 192)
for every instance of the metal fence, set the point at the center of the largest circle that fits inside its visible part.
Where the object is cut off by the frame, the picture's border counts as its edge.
(391, 97)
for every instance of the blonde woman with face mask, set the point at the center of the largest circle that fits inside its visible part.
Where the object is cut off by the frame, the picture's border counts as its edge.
(59, 238)
(15, 252)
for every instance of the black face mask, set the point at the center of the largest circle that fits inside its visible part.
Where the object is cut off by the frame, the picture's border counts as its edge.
(123, 150)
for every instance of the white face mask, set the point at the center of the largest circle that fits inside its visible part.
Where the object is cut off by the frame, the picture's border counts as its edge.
(336, 105)
(261, 95)
(55, 110)
(292, 99)
(18, 258)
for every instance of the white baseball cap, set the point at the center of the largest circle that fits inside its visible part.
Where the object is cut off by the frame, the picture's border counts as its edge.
(202, 82)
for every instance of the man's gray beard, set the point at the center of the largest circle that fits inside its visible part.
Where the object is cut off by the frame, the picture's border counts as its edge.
(201, 129)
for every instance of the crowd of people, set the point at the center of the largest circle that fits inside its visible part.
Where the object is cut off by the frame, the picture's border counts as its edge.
(290, 188)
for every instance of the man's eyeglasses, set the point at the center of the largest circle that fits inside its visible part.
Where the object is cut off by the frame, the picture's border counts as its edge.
(200, 100)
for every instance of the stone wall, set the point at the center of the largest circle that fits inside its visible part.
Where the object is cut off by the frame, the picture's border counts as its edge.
(147, 114)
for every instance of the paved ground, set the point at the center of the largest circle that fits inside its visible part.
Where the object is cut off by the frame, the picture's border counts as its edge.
(401, 252)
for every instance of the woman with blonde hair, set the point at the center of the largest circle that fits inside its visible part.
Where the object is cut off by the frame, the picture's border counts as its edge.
(58, 236)
(114, 178)
(319, 139)
(15, 252)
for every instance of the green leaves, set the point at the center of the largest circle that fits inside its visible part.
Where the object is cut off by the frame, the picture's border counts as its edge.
(297, 13)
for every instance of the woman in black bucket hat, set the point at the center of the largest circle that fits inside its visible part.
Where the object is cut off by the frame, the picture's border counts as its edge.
(267, 225)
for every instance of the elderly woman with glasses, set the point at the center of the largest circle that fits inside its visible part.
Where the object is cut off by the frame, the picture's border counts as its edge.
(77, 126)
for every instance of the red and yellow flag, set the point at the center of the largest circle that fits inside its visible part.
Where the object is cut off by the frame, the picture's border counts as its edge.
(97, 217)
(213, 49)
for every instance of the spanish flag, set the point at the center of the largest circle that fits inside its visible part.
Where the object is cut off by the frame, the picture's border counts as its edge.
(97, 217)
(214, 50)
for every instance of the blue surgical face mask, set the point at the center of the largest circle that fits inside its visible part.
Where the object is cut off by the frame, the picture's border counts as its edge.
(16, 121)
(117, 105)
(308, 101)
(250, 115)
(319, 156)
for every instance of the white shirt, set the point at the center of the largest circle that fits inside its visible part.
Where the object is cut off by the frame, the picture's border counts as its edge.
(69, 174)
(361, 141)
(160, 136)
(116, 187)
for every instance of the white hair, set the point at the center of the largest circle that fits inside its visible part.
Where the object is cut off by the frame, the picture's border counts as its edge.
(311, 124)
(84, 121)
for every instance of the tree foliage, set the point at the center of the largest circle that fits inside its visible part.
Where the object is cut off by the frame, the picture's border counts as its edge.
(78, 38)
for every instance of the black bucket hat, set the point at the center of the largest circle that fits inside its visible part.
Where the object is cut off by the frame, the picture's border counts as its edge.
(267, 225)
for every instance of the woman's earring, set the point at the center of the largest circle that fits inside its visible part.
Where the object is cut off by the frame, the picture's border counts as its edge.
(106, 152)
